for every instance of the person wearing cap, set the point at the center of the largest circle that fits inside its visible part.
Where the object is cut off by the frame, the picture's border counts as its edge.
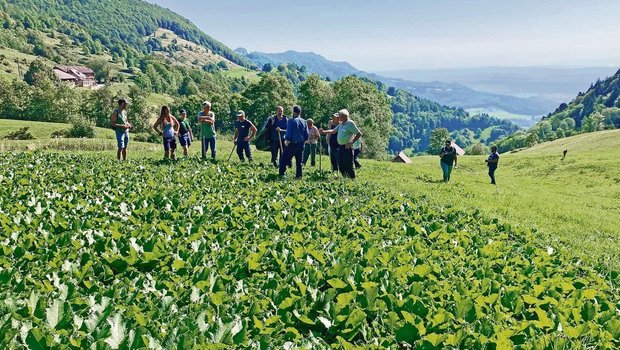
(347, 133)
(294, 139)
(277, 126)
(312, 143)
(449, 159)
(492, 163)
(185, 132)
(244, 132)
(121, 126)
(332, 142)
(206, 119)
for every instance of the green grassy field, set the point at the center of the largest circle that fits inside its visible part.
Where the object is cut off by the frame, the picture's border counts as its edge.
(572, 204)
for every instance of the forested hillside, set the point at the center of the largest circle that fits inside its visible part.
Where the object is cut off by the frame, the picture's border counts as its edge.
(596, 109)
(154, 57)
(116, 26)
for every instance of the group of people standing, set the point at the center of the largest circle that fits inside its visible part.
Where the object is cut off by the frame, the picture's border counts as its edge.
(289, 137)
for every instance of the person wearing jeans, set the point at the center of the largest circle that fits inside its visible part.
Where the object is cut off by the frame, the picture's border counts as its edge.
(448, 157)
(312, 143)
(244, 132)
(492, 163)
(206, 119)
(295, 138)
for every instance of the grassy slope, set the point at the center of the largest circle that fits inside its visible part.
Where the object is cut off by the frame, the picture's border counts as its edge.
(572, 204)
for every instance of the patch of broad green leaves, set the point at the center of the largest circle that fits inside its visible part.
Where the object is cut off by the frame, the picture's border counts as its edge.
(98, 254)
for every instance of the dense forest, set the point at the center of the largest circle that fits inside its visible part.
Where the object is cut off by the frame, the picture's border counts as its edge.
(596, 109)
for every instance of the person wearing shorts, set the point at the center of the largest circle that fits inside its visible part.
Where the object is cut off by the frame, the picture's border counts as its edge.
(168, 127)
(121, 126)
(185, 133)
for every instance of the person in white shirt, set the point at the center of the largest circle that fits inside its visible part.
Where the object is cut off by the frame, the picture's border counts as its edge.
(312, 143)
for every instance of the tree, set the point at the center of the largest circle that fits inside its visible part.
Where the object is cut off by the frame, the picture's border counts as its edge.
(38, 72)
(262, 97)
(315, 97)
(102, 69)
(592, 123)
(369, 108)
(267, 67)
(188, 87)
(438, 137)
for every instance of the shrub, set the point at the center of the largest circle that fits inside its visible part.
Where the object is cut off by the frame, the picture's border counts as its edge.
(21, 134)
(59, 134)
(81, 129)
(150, 137)
(478, 149)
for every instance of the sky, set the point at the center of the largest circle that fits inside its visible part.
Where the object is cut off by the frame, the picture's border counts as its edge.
(390, 35)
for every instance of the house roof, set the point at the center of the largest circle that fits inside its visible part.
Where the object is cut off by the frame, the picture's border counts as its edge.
(79, 69)
(64, 76)
(402, 157)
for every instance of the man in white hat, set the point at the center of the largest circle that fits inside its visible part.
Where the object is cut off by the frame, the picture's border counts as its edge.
(347, 133)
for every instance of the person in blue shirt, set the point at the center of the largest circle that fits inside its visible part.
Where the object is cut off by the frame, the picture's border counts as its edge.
(277, 126)
(244, 132)
(294, 139)
(492, 163)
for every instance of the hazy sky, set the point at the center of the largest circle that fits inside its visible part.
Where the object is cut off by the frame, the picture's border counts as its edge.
(417, 34)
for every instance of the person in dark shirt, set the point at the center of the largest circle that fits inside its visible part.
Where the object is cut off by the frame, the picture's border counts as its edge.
(275, 122)
(295, 138)
(448, 157)
(333, 142)
(244, 132)
(492, 163)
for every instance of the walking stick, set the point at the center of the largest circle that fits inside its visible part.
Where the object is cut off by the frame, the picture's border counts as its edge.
(320, 153)
(281, 148)
(231, 152)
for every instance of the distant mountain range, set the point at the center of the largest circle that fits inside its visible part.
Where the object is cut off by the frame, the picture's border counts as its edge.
(556, 84)
(528, 91)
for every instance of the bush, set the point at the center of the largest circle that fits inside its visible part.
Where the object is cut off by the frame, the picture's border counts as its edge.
(478, 149)
(150, 137)
(21, 134)
(60, 134)
(81, 129)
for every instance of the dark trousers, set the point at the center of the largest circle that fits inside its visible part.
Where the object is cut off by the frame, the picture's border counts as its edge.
(333, 157)
(206, 143)
(356, 157)
(292, 150)
(492, 174)
(310, 153)
(275, 150)
(345, 162)
(244, 146)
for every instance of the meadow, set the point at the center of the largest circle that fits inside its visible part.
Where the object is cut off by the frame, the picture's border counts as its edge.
(156, 254)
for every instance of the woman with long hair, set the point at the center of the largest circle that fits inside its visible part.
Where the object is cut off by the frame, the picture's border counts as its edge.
(168, 127)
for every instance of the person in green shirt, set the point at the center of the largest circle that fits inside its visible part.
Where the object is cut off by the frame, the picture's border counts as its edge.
(121, 126)
(185, 132)
(347, 133)
(206, 119)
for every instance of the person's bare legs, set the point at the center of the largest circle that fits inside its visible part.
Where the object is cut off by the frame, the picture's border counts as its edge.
(173, 155)
(124, 153)
(185, 151)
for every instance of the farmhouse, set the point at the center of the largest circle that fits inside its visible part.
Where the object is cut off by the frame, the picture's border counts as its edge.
(78, 75)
